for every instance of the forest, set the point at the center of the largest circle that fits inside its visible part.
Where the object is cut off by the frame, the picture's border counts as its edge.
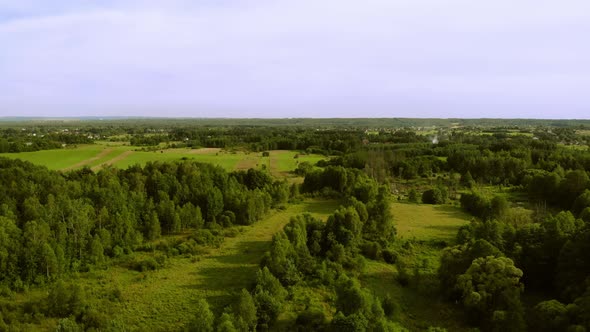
(327, 246)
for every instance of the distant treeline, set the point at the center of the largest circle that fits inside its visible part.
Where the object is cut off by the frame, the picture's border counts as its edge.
(294, 122)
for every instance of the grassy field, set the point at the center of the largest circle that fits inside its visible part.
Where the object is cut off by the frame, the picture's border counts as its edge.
(282, 161)
(59, 159)
(163, 300)
(422, 224)
(428, 222)
(418, 310)
(96, 156)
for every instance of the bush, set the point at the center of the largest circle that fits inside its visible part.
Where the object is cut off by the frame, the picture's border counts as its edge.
(207, 238)
(390, 306)
(68, 325)
(403, 276)
(389, 256)
(312, 319)
(413, 196)
(371, 249)
(354, 322)
(148, 264)
(65, 300)
(433, 196)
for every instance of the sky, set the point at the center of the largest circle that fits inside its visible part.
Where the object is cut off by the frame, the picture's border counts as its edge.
(295, 58)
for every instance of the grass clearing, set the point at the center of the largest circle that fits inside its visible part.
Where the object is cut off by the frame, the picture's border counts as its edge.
(428, 222)
(420, 223)
(59, 158)
(284, 161)
(417, 311)
(226, 160)
(120, 155)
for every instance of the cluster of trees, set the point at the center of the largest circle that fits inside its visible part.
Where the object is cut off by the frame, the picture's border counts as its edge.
(53, 223)
(567, 190)
(502, 252)
(309, 251)
(13, 141)
(547, 256)
(328, 141)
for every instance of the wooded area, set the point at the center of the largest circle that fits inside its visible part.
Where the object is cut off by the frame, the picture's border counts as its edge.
(519, 264)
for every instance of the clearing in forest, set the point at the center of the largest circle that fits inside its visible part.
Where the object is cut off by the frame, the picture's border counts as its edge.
(422, 223)
(284, 161)
(226, 160)
(60, 158)
(428, 222)
(164, 299)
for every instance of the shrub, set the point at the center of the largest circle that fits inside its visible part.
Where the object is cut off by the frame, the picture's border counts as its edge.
(312, 319)
(207, 238)
(433, 196)
(403, 276)
(390, 306)
(371, 249)
(413, 196)
(148, 264)
(389, 256)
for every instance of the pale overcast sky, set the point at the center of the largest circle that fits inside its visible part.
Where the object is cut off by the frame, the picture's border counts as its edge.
(297, 58)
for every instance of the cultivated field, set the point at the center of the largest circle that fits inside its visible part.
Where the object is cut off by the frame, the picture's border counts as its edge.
(97, 156)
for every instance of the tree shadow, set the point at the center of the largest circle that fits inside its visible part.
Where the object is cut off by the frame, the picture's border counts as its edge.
(321, 207)
(452, 211)
(246, 252)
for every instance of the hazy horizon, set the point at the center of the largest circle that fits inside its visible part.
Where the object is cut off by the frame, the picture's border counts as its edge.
(305, 59)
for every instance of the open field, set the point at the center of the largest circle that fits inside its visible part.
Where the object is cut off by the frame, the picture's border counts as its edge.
(283, 161)
(59, 159)
(122, 156)
(163, 299)
(417, 311)
(419, 223)
(428, 222)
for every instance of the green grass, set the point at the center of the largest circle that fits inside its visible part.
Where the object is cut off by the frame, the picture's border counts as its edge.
(283, 161)
(59, 158)
(163, 300)
(103, 153)
(226, 160)
(428, 222)
(420, 224)
(417, 312)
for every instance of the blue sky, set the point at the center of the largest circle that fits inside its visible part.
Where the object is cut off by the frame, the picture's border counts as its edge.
(305, 58)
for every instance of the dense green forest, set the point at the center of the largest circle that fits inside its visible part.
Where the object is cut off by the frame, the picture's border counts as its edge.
(520, 264)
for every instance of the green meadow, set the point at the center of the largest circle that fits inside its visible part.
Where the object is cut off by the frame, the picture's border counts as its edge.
(100, 155)
(421, 225)
(428, 222)
(59, 159)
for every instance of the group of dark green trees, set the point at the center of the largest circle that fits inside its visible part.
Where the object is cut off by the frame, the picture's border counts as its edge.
(53, 223)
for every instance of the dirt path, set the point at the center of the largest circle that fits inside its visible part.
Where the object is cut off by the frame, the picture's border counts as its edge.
(205, 151)
(163, 300)
(249, 161)
(102, 154)
(112, 161)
